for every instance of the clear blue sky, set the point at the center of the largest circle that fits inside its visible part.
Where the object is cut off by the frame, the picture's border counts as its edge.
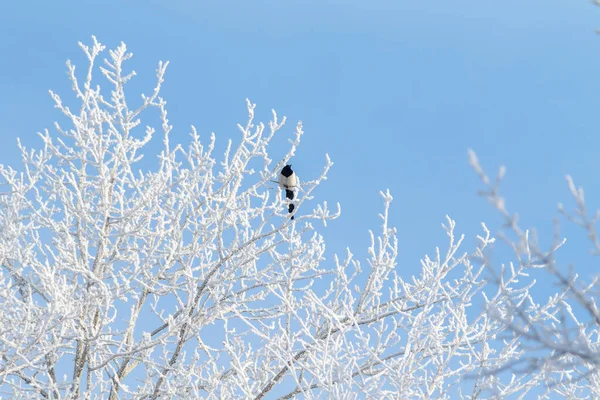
(395, 92)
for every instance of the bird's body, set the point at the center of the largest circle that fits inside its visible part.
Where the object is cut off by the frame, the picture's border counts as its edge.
(287, 181)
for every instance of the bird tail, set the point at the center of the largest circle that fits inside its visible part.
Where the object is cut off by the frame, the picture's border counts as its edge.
(290, 209)
(289, 194)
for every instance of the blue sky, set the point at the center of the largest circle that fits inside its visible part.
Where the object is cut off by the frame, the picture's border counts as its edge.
(395, 92)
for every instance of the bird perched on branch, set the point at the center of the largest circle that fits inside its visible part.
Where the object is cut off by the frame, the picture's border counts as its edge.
(287, 181)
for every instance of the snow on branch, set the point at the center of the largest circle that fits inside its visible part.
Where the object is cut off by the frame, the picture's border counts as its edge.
(183, 275)
(561, 334)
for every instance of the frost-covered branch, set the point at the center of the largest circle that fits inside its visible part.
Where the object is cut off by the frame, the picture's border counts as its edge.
(182, 275)
(561, 334)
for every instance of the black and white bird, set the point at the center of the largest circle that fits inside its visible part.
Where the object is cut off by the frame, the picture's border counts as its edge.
(287, 181)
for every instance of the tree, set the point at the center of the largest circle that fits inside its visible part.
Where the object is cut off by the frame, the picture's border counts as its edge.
(562, 336)
(191, 281)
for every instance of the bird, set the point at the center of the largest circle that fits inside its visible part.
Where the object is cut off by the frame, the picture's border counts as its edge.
(287, 182)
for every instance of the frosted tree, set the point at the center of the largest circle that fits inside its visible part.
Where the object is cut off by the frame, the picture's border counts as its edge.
(560, 335)
(188, 279)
